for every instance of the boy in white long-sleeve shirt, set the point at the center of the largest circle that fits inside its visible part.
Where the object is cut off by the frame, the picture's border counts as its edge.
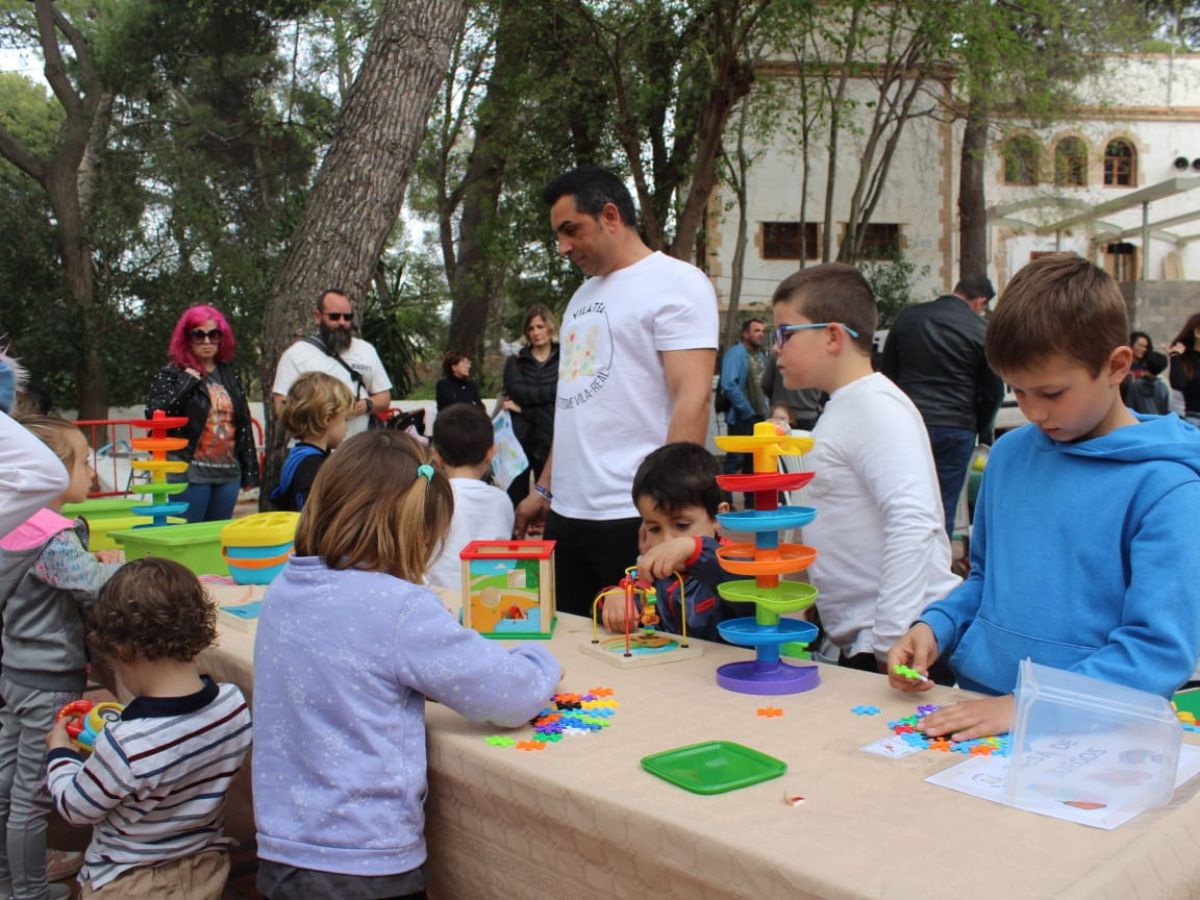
(883, 554)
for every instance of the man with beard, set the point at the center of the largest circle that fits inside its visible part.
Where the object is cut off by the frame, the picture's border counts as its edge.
(335, 351)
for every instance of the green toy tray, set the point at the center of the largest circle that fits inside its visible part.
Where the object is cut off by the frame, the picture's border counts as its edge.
(713, 767)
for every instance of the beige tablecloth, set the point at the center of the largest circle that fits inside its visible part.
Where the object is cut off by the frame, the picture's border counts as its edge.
(581, 819)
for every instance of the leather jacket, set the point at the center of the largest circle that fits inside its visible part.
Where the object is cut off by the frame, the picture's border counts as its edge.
(179, 393)
(935, 354)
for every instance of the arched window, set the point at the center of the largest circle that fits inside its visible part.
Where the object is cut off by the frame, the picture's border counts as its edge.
(1120, 164)
(1070, 163)
(1021, 159)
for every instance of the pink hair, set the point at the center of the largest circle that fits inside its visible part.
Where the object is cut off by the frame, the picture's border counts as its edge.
(179, 351)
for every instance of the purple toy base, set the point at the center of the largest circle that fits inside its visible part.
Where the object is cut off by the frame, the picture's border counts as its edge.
(765, 679)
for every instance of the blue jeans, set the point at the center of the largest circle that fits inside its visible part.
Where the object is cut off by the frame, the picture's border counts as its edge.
(952, 448)
(209, 502)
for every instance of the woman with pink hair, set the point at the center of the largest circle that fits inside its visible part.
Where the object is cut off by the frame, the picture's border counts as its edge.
(198, 382)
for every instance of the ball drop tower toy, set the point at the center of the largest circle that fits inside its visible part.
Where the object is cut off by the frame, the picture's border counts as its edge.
(157, 443)
(766, 559)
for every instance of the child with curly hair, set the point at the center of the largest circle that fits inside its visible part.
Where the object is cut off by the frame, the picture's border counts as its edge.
(154, 786)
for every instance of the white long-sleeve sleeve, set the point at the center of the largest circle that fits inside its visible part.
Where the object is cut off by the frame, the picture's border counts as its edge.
(883, 553)
(31, 476)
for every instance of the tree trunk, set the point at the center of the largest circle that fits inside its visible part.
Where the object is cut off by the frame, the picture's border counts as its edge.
(972, 199)
(710, 131)
(91, 381)
(359, 190)
(739, 248)
(69, 176)
(474, 280)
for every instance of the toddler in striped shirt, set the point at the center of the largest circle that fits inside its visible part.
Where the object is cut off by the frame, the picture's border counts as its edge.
(154, 786)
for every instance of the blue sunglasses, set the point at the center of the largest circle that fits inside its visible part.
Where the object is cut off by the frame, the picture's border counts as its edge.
(783, 332)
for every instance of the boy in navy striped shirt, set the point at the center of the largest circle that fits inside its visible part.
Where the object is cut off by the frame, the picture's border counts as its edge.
(154, 787)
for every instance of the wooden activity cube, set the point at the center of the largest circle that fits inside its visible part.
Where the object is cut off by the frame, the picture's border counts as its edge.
(508, 589)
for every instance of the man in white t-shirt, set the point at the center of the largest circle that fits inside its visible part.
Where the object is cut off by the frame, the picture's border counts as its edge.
(335, 351)
(463, 445)
(638, 349)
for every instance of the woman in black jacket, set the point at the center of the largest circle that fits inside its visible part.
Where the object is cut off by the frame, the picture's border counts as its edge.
(455, 385)
(530, 380)
(199, 383)
(1185, 367)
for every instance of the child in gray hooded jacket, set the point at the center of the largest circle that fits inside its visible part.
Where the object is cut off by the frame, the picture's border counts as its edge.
(47, 577)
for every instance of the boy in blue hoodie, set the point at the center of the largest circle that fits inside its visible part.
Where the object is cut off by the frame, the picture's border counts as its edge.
(1084, 554)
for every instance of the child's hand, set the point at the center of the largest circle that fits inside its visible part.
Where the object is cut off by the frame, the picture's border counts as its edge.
(613, 614)
(972, 718)
(58, 739)
(918, 650)
(110, 556)
(669, 556)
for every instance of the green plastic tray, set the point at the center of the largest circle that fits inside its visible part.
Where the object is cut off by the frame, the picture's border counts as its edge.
(101, 508)
(713, 767)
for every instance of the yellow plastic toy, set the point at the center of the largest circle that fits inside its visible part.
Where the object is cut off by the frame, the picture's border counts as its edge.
(257, 547)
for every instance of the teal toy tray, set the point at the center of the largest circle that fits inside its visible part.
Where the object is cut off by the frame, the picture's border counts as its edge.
(713, 767)
(757, 520)
(746, 632)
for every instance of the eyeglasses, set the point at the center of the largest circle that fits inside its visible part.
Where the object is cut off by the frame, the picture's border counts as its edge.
(339, 316)
(200, 336)
(783, 332)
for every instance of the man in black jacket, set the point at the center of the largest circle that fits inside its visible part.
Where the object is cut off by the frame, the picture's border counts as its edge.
(935, 354)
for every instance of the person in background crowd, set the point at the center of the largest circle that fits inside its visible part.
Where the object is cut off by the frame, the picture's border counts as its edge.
(530, 379)
(200, 383)
(335, 351)
(934, 353)
(1185, 367)
(455, 385)
(1141, 345)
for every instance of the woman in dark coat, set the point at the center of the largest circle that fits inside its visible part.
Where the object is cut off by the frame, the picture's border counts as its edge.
(1185, 367)
(456, 385)
(198, 382)
(530, 382)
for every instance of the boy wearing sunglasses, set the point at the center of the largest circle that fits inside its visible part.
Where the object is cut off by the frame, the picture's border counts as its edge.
(335, 351)
(883, 554)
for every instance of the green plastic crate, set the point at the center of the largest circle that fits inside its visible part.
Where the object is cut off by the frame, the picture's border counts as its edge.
(100, 531)
(197, 546)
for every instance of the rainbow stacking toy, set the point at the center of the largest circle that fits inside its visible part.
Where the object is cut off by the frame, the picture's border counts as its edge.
(766, 559)
(157, 444)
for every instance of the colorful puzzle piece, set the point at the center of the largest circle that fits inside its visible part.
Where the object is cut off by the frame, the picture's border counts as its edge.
(865, 710)
(769, 712)
(909, 673)
(571, 714)
(908, 728)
